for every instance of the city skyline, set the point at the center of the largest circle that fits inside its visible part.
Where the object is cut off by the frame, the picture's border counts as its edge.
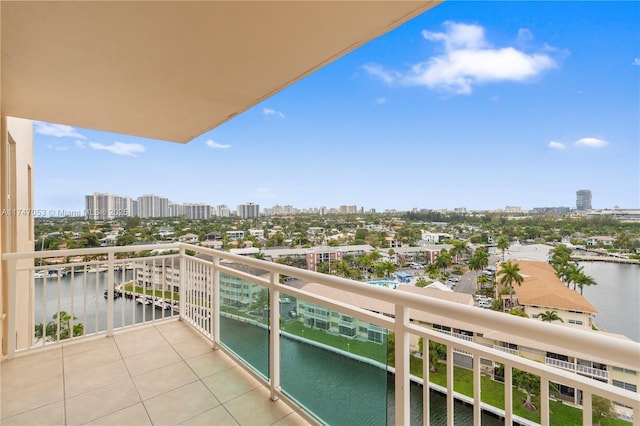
(459, 107)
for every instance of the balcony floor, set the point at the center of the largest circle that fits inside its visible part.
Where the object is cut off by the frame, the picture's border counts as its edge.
(165, 374)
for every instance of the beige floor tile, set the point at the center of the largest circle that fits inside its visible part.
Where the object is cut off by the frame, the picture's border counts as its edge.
(90, 344)
(180, 404)
(142, 363)
(87, 360)
(263, 411)
(30, 397)
(193, 347)
(145, 339)
(218, 416)
(133, 415)
(230, 383)
(98, 376)
(165, 379)
(52, 414)
(170, 325)
(210, 363)
(179, 334)
(101, 401)
(23, 372)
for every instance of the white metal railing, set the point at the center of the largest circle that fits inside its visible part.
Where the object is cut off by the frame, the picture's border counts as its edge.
(597, 372)
(592, 371)
(199, 304)
(511, 351)
(560, 363)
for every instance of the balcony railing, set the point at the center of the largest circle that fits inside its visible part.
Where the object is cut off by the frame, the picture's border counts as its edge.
(511, 351)
(249, 325)
(596, 372)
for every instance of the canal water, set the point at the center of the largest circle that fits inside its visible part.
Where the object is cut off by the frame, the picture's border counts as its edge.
(339, 389)
(617, 296)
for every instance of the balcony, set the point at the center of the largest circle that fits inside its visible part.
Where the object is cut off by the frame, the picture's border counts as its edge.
(582, 369)
(505, 349)
(113, 360)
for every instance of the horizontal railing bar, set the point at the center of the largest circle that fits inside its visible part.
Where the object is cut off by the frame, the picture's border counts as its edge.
(557, 375)
(620, 352)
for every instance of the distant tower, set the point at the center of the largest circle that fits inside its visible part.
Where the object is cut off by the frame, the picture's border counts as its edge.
(583, 199)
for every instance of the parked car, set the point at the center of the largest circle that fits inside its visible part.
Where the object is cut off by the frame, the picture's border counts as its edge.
(484, 304)
(285, 300)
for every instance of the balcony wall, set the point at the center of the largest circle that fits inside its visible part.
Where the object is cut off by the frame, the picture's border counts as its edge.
(249, 326)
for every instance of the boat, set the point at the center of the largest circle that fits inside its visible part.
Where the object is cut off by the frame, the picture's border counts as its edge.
(116, 293)
(38, 274)
(160, 303)
(143, 301)
(51, 273)
(94, 270)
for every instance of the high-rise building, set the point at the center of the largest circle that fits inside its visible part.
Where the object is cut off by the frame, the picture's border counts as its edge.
(248, 211)
(150, 205)
(99, 206)
(583, 199)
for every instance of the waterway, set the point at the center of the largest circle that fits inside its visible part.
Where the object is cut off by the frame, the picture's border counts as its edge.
(338, 389)
(617, 297)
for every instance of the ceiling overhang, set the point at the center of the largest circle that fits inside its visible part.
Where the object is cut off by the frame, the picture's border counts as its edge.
(173, 70)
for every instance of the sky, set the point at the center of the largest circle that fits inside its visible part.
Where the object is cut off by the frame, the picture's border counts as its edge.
(480, 105)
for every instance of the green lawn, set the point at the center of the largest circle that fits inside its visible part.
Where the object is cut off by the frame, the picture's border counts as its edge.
(169, 295)
(375, 351)
(492, 393)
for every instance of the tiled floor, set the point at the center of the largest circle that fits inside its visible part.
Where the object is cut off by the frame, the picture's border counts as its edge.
(160, 375)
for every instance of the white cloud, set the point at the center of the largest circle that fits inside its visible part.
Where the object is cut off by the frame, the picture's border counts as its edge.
(636, 61)
(556, 145)
(57, 130)
(80, 144)
(215, 145)
(468, 60)
(58, 148)
(591, 143)
(119, 148)
(377, 71)
(381, 101)
(268, 112)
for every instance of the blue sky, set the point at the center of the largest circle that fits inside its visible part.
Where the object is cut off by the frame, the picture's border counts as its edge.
(473, 104)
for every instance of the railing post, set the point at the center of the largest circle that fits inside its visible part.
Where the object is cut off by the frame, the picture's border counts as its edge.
(508, 394)
(274, 336)
(110, 285)
(12, 314)
(215, 303)
(402, 379)
(544, 401)
(450, 388)
(587, 407)
(426, 397)
(477, 388)
(183, 282)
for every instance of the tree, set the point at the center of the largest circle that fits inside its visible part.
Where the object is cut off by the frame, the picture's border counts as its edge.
(584, 280)
(443, 260)
(502, 245)
(550, 316)
(509, 274)
(601, 408)
(459, 248)
(421, 282)
(60, 328)
(477, 262)
(385, 269)
(529, 384)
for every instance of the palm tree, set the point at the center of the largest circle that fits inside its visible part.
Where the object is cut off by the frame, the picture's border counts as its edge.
(374, 255)
(584, 280)
(509, 274)
(502, 245)
(443, 260)
(365, 263)
(342, 269)
(478, 262)
(571, 274)
(459, 248)
(385, 269)
(550, 316)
